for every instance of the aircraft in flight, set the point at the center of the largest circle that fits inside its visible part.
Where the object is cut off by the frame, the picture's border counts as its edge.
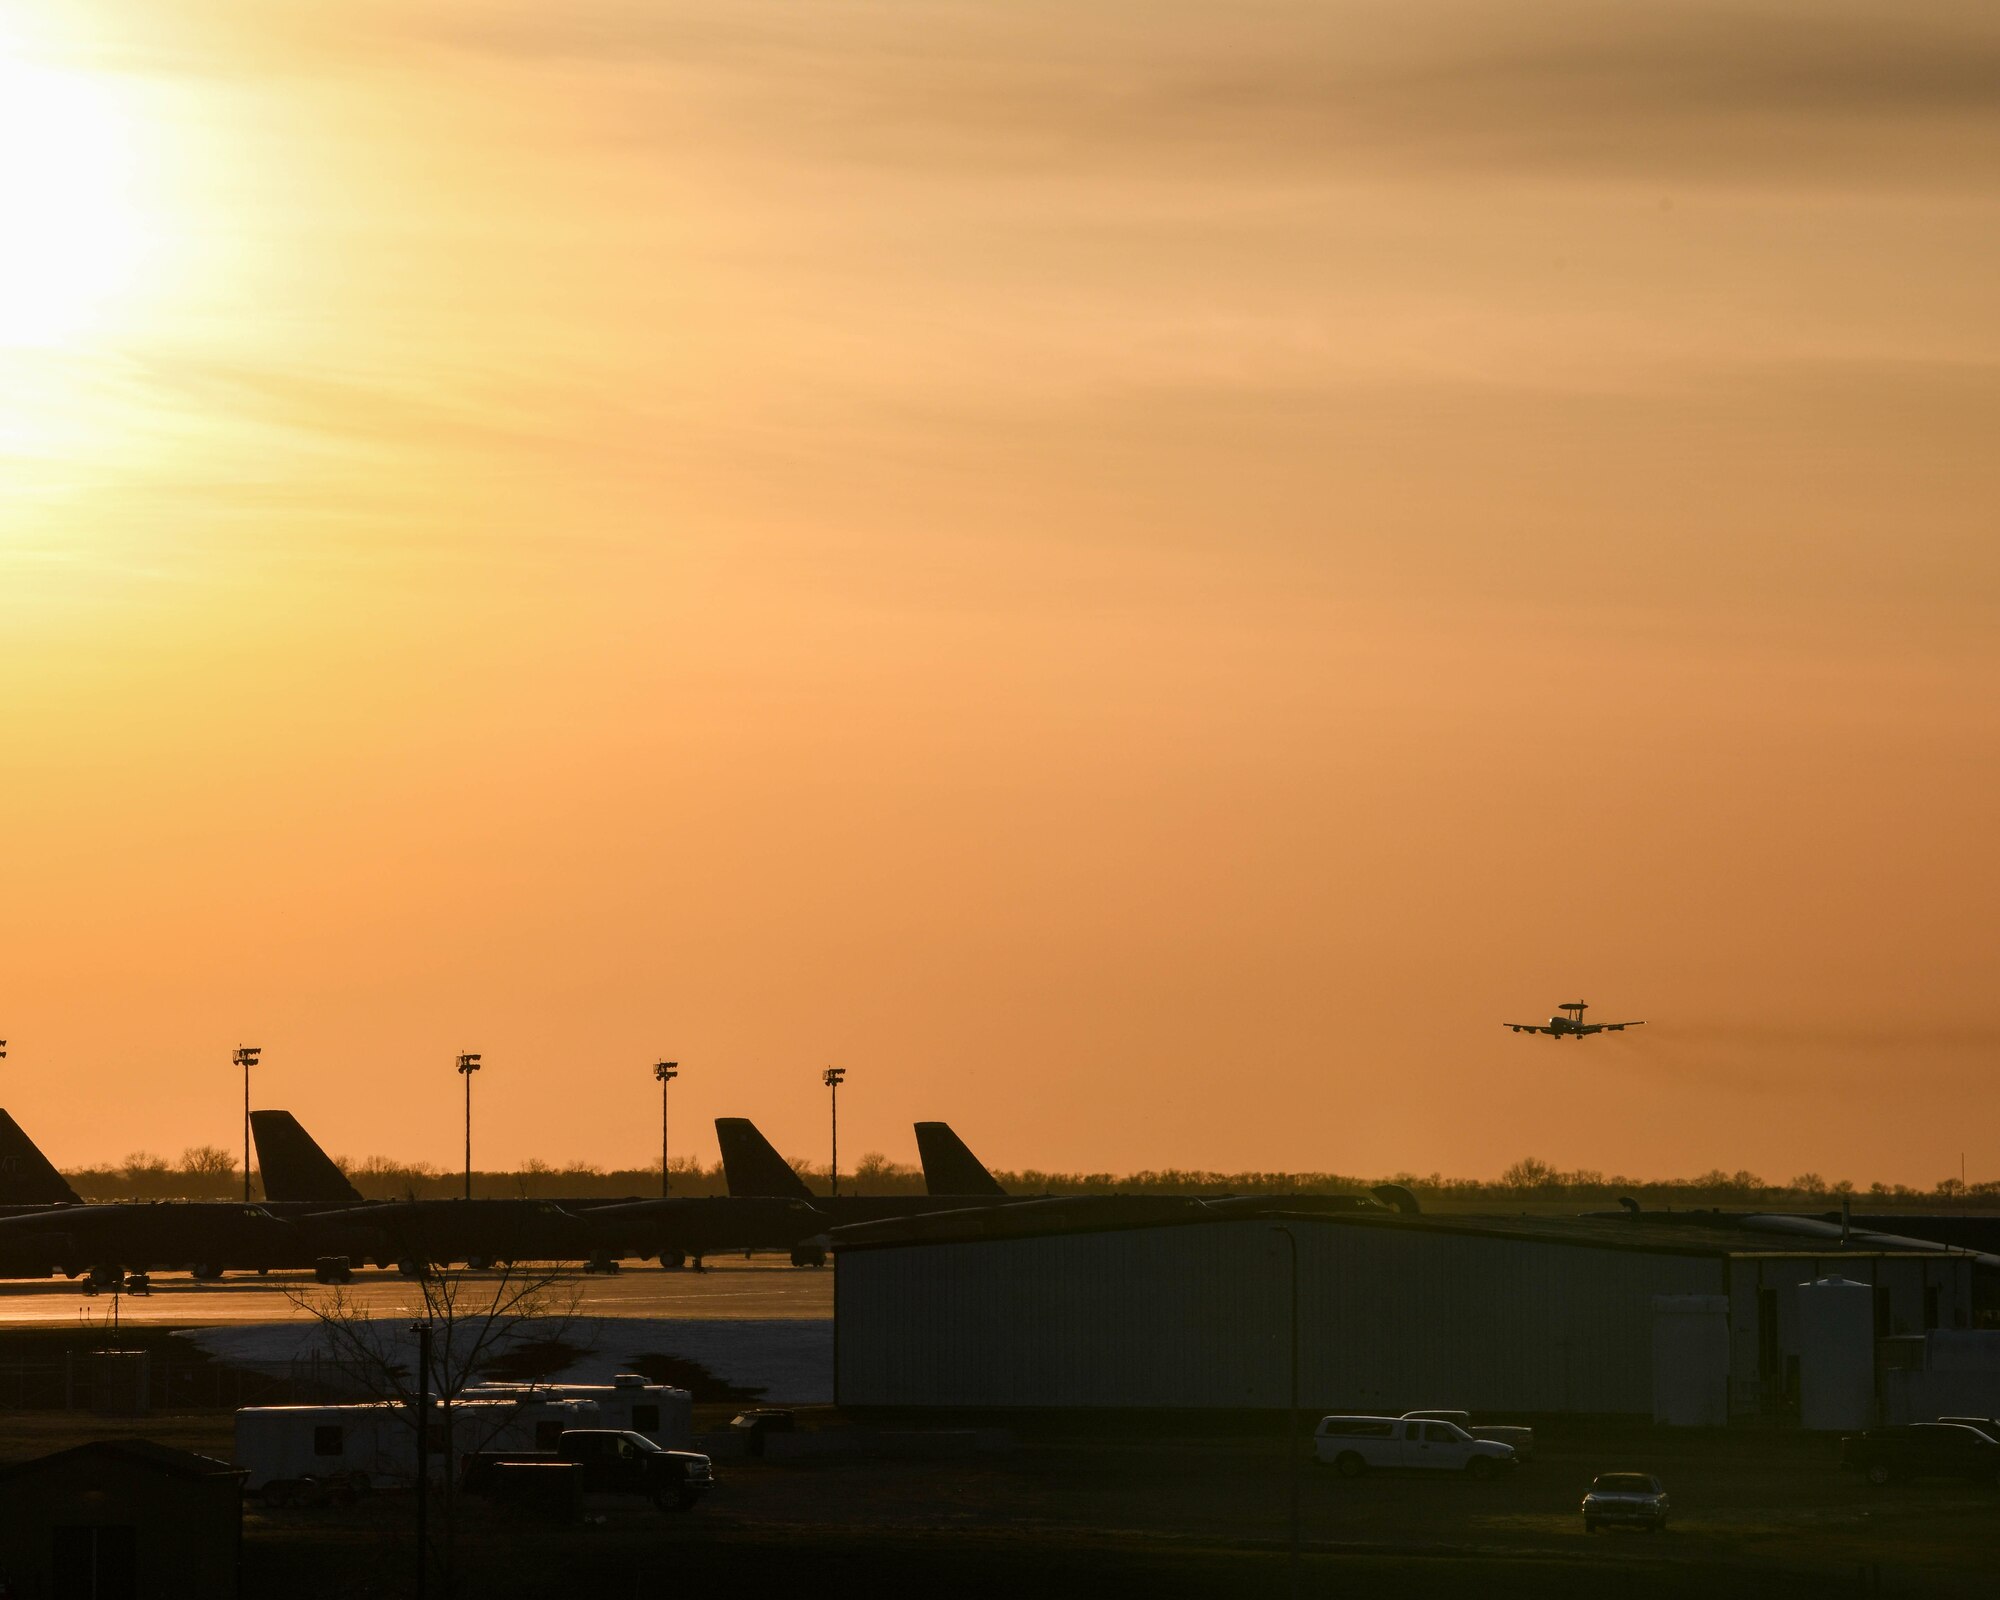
(1568, 1023)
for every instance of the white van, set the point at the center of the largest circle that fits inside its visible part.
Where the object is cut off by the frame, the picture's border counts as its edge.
(374, 1445)
(628, 1403)
(1354, 1445)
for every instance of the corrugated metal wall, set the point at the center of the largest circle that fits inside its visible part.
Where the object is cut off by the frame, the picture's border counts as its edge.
(1391, 1318)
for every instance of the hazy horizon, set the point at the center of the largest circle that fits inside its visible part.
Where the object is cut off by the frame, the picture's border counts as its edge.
(1140, 576)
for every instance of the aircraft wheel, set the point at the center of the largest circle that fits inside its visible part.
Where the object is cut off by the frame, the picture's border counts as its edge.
(673, 1258)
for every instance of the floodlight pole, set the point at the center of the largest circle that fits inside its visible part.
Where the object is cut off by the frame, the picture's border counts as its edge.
(665, 1072)
(1292, 1423)
(246, 1058)
(832, 1078)
(468, 1064)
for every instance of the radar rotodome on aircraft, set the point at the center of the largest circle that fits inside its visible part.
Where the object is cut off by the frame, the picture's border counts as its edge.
(1568, 1022)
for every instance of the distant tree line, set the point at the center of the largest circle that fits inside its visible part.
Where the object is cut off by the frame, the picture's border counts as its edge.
(208, 1172)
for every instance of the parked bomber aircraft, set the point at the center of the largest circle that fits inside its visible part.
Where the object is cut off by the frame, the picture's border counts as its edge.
(1568, 1023)
(27, 1177)
(46, 1227)
(597, 1229)
(752, 1168)
(950, 1167)
(204, 1237)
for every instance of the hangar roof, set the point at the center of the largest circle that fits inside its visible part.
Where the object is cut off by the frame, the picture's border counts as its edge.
(140, 1452)
(1697, 1234)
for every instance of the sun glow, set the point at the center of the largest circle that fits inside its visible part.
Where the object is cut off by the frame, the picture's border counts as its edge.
(73, 239)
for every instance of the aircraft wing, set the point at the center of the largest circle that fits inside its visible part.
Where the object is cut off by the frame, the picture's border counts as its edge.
(1528, 1027)
(1610, 1027)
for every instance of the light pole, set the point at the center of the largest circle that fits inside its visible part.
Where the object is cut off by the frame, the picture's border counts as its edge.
(665, 1072)
(1292, 1424)
(246, 1058)
(832, 1079)
(468, 1064)
(423, 1332)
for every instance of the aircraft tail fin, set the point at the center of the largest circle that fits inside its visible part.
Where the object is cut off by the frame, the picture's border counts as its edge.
(27, 1177)
(949, 1167)
(293, 1166)
(751, 1165)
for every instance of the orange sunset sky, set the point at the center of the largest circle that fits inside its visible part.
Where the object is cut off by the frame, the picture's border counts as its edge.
(1139, 574)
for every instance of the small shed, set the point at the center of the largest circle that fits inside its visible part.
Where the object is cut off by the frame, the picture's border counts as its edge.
(120, 1519)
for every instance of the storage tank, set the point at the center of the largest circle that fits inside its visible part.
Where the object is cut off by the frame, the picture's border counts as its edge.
(1836, 1354)
(1691, 1360)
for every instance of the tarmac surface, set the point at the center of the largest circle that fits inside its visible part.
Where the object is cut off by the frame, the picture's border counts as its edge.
(761, 1289)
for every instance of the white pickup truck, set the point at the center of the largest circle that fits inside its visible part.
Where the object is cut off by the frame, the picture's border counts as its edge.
(1522, 1439)
(1354, 1445)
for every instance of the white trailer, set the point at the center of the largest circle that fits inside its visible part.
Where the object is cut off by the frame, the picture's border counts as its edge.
(628, 1402)
(374, 1443)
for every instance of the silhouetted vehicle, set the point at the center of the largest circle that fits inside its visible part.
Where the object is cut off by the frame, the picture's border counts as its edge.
(1990, 1426)
(1354, 1445)
(1625, 1500)
(613, 1462)
(1922, 1450)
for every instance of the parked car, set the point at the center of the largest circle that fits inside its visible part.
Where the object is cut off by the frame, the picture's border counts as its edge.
(1625, 1500)
(1354, 1445)
(613, 1462)
(1922, 1450)
(1522, 1439)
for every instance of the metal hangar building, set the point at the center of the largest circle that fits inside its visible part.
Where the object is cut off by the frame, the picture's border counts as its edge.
(1172, 1303)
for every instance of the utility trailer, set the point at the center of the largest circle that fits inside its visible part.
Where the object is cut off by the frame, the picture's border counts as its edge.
(628, 1404)
(291, 1452)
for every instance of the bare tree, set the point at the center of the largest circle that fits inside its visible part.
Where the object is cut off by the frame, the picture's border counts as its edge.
(207, 1170)
(474, 1318)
